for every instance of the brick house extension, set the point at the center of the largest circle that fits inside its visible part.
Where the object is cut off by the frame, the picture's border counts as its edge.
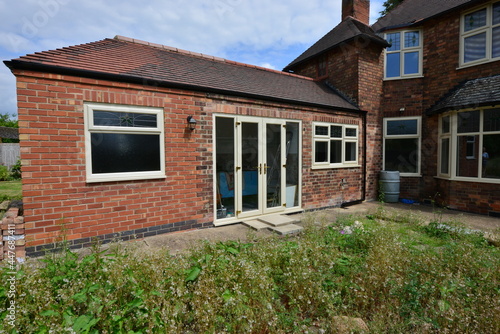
(108, 150)
(437, 99)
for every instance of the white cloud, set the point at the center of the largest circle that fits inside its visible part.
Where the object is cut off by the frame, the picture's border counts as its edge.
(265, 32)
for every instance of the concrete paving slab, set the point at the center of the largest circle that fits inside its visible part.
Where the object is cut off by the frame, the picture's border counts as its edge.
(278, 220)
(287, 229)
(256, 224)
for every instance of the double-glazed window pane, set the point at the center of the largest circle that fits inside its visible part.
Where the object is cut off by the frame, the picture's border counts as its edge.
(475, 20)
(468, 121)
(496, 43)
(412, 39)
(321, 151)
(411, 62)
(402, 127)
(124, 119)
(467, 163)
(350, 151)
(491, 120)
(491, 156)
(393, 65)
(475, 47)
(395, 41)
(401, 155)
(119, 153)
(445, 156)
(335, 151)
(321, 131)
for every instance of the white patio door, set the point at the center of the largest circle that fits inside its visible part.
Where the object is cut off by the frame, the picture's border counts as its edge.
(259, 168)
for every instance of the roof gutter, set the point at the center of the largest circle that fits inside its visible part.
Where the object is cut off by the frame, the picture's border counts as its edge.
(22, 65)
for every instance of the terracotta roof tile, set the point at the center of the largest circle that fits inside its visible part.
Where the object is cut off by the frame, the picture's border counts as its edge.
(129, 59)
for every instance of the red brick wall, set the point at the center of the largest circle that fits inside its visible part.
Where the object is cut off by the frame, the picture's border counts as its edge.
(58, 202)
(441, 74)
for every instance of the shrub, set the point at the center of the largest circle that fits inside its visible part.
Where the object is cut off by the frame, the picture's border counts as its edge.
(4, 173)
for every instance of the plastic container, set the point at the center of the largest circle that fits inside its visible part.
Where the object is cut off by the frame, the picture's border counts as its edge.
(389, 186)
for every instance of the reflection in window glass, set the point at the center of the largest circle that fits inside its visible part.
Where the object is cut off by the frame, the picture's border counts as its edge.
(445, 156)
(118, 153)
(402, 127)
(468, 121)
(393, 66)
(336, 131)
(350, 132)
(491, 156)
(124, 119)
(475, 47)
(467, 165)
(321, 151)
(401, 155)
(395, 41)
(411, 63)
(350, 151)
(321, 131)
(496, 13)
(335, 151)
(491, 120)
(475, 20)
(445, 124)
(412, 39)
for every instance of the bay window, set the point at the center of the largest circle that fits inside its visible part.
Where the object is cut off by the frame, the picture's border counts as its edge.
(469, 147)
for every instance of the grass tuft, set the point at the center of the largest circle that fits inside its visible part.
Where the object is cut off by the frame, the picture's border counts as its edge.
(398, 275)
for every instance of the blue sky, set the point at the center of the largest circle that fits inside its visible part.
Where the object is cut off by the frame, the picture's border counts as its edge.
(269, 33)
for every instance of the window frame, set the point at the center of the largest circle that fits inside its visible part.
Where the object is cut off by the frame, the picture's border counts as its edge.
(91, 128)
(487, 29)
(402, 51)
(418, 136)
(453, 135)
(328, 139)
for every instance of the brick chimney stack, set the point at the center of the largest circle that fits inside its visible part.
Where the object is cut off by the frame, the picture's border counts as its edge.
(359, 9)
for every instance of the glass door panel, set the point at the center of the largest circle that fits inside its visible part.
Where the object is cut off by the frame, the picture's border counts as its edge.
(251, 165)
(292, 160)
(225, 167)
(273, 165)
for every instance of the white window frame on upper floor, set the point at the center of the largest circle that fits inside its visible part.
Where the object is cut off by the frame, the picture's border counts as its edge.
(97, 131)
(488, 29)
(403, 51)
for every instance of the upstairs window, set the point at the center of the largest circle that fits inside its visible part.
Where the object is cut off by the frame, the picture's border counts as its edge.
(403, 59)
(480, 35)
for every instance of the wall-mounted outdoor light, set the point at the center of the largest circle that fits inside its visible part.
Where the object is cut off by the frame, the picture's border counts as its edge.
(191, 123)
(402, 110)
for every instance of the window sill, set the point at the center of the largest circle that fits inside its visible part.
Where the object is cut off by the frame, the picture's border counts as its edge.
(404, 78)
(335, 167)
(477, 63)
(116, 177)
(409, 175)
(469, 179)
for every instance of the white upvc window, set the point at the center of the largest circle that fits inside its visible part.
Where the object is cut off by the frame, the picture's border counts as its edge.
(335, 145)
(480, 35)
(123, 143)
(403, 59)
(468, 145)
(402, 140)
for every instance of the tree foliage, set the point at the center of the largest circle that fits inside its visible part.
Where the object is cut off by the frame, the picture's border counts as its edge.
(390, 5)
(7, 120)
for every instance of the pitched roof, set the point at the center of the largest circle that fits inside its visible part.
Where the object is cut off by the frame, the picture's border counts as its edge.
(470, 93)
(125, 59)
(411, 12)
(346, 31)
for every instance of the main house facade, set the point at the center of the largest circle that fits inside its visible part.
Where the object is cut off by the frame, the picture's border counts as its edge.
(123, 138)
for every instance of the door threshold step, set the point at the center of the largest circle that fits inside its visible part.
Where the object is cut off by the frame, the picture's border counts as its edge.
(256, 224)
(287, 229)
(277, 220)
